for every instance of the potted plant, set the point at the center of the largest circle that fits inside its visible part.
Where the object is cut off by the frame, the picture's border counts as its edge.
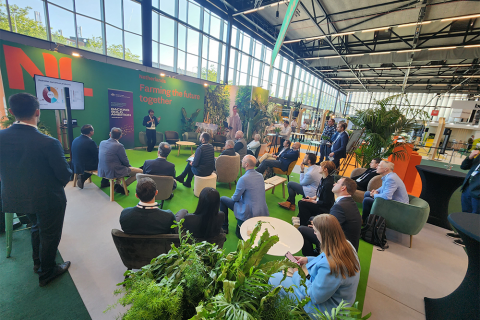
(324, 139)
(296, 108)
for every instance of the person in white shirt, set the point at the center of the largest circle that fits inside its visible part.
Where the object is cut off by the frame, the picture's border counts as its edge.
(303, 128)
(285, 133)
(293, 125)
(309, 182)
(253, 145)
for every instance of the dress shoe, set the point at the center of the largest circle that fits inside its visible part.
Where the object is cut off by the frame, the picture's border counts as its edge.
(285, 204)
(80, 181)
(179, 179)
(59, 270)
(119, 189)
(17, 225)
(36, 267)
(453, 235)
(459, 242)
(292, 207)
(187, 184)
(105, 183)
(225, 230)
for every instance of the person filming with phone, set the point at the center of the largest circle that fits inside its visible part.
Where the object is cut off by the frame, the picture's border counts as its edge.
(332, 276)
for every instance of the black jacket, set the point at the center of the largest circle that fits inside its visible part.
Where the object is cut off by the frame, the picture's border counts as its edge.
(84, 154)
(147, 118)
(471, 184)
(325, 197)
(228, 152)
(33, 170)
(193, 223)
(146, 221)
(159, 167)
(346, 212)
(366, 177)
(204, 160)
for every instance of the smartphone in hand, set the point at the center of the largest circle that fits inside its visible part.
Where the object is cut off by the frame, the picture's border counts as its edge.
(290, 257)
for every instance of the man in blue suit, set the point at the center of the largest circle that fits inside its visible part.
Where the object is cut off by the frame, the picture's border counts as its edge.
(339, 146)
(283, 160)
(84, 154)
(113, 161)
(249, 198)
(34, 173)
(392, 188)
(151, 123)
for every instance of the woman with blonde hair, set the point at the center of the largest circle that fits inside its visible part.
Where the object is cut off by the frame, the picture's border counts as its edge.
(332, 276)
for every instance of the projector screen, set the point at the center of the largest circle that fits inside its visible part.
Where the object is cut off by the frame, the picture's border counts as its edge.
(51, 95)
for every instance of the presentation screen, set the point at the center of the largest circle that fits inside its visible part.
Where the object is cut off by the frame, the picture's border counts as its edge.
(51, 94)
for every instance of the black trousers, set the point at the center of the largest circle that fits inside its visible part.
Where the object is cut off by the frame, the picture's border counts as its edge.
(23, 219)
(309, 209)
(46, 233)
(309, 239)
(189, 172)
(151, 139)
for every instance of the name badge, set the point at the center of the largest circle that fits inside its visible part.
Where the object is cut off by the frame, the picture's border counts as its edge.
(474, 173)
(359, 179)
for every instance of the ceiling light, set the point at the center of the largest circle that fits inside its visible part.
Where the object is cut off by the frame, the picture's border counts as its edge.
(383, 68)
(376, 29)
(312, 58)
(205, 84)
(253, 10)
(327, 70)
(314, 38)
(463, 17)
(341, 34)
(377, 53)
(442, 48)
(472, 76)
(472, 46)
(354, 55)
(411, 50)
(292, 41)
(413, 24)
(459, 65)
(162, 74)
(330, 57)
(434, 66)
(76, 54)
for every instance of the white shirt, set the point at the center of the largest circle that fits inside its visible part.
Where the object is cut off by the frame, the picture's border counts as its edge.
(294, 124)
(25, 124)
(152, 124)
(147, 205)
(303, 126)
(341, 197)
(286, 132)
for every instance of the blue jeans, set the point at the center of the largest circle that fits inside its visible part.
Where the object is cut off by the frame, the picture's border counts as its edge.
(225, 204)
(469, 203)
(367, 206)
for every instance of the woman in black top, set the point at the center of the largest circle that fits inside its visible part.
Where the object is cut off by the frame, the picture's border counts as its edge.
(310, 207)
(206, 222)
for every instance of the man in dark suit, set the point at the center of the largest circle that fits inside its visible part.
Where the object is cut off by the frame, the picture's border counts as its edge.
(229, 149)
(34, 173)
(160, 166)
(283, 160)
(84, 154)
(339, 146)
(113, 161)
(345, 210)
(146, 218)
(364, 178)
(151, 123)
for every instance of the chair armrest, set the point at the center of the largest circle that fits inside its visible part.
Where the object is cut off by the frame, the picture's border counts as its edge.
(401, 217)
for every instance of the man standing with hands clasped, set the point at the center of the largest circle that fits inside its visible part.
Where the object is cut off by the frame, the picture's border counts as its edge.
(470, 189)
(150, 122)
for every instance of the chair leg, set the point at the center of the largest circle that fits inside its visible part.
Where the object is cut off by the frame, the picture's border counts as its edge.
(161, 204)
(229, 186)
(112, 187)
(9, 231)
(125, 186)
(90, 179)
(235, 181)
(283, 189)
(411, 237)
(75, 179)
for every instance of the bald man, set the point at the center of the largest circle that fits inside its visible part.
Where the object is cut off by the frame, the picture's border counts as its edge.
(283, 160)
(249, 198)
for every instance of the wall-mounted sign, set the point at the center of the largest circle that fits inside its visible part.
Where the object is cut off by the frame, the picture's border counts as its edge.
(466, 105)
(435, 113)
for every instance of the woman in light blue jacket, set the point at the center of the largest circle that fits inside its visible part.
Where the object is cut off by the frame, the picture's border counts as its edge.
(332, 276)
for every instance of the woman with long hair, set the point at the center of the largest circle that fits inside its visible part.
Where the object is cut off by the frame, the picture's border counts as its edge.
(333, 275)
(206, 222)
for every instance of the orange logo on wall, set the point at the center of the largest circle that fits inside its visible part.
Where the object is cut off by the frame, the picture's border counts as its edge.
(16, 60)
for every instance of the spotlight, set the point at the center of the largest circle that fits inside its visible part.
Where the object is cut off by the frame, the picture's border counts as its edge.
(162, 74)
(76, 54)
(205, 84)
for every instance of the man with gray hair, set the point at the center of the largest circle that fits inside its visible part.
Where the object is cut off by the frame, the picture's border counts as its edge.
(229, 148)
(113, 161)
(160, 166)
(392, 188)
(249, 198)
(240, 145)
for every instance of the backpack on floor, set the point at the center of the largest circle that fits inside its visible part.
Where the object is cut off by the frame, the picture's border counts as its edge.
(374, 231)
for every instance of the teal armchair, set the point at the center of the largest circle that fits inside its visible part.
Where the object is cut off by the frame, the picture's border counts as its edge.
(404, 218)
(191, 136)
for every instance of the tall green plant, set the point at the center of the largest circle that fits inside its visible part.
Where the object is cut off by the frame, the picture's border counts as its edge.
(242, 101)
(216, 106)
(189, 122)
(381, 122)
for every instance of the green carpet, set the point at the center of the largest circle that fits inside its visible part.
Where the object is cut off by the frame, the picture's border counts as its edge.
(22, 298)
(184, 199)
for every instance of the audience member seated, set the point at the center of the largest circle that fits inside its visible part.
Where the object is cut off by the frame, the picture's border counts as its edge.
(253, 145)
(324, 199)
(392, 188)
(282, 161)
(160, 166)
(206, 222)
(249, 198)
(229, 148)
(240, 144)
(284, 134)
(269, 156)
(84, 155)
(309, 182)
(345, 210)
(113, 161)
(363, 179)
(146, 218)
(203, 163)
(334, 274)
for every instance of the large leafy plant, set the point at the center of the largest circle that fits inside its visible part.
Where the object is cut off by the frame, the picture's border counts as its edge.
(382, 122)
(216, 106)
(189, 122)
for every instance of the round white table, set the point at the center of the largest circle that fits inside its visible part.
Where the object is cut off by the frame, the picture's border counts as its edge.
(290, 239)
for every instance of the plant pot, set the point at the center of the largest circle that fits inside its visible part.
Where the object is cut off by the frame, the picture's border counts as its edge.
(323, 142)
(295, 113)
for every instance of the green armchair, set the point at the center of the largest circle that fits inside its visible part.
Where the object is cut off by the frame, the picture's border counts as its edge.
(404, 218)
(191, 136)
